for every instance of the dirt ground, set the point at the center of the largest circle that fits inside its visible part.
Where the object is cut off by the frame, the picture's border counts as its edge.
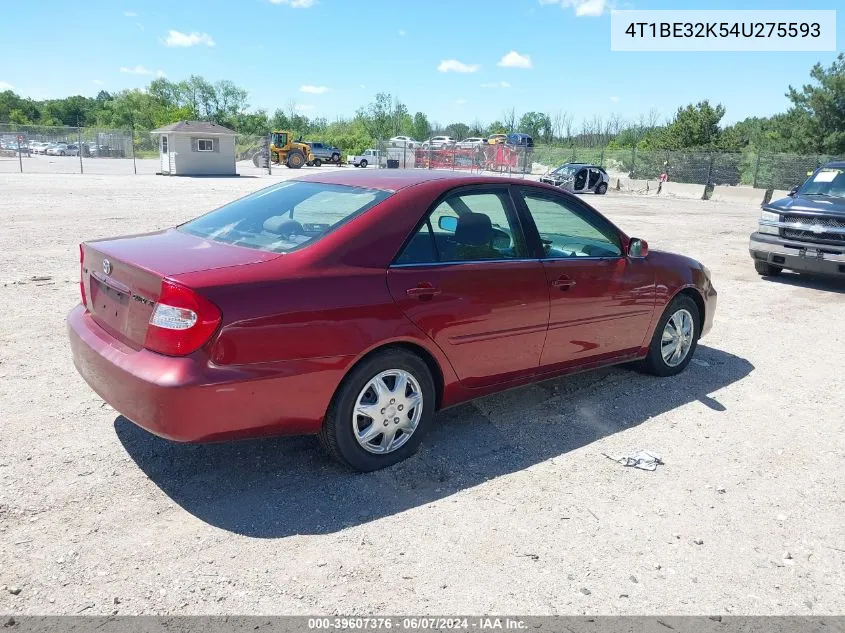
(510, 506)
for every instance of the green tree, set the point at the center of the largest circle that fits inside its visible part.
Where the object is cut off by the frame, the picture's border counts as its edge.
(819, 109)
(421, 129)
(694, 126)
(536, 125)
(457, 131)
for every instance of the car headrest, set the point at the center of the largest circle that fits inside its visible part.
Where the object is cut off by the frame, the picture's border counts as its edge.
(474, 229)
(281, 225)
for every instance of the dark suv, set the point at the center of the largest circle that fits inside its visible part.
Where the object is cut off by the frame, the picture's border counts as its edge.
(804, 232)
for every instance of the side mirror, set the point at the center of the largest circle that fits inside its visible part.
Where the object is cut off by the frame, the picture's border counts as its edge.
(637, 248)
(448, 223)
(793, 191)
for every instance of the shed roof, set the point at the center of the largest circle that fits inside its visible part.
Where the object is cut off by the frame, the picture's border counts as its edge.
(194, 127)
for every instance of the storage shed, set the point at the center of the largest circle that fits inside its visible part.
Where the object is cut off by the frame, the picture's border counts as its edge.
(196, 148)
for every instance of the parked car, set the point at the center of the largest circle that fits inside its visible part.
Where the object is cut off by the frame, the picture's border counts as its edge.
(63, 149)
(39, 147)
(323, 153)
(519, 140)
(405, 141)
(436, 142)
(369, 157)
(497, 139)
(355, 305)
(472, 141)
(579, 178)
(804, 232)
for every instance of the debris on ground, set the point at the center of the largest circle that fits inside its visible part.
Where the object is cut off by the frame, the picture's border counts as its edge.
(644, 460)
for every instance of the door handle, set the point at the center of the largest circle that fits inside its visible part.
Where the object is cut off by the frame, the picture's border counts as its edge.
(563, 283)
(423, 291)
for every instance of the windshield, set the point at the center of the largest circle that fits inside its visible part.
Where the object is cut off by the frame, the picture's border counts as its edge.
(565, 170)
(826, 182)
(284, 217)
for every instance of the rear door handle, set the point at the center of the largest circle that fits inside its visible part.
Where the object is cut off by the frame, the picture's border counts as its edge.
(563, 283)
(423, 291)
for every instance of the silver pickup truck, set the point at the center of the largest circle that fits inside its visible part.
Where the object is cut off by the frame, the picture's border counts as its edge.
(324, 153)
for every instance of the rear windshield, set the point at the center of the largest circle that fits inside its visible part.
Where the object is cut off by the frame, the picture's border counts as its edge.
(284, 217)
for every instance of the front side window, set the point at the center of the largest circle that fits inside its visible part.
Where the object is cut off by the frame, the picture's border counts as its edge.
(205, 145)
(566, 230)
(286, 216)
(467, 227)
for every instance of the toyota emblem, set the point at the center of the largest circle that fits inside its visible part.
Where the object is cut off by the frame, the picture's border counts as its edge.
(107, 267)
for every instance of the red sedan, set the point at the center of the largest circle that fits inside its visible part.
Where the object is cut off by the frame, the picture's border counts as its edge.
(356, 305)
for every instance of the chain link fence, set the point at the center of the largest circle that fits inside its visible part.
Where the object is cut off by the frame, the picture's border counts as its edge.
(43, 149)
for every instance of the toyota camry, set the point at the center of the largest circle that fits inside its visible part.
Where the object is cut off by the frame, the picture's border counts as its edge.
(356, 305)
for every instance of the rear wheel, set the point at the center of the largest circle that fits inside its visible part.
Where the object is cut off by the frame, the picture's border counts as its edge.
(296, 159)
(766, 269)
(364, 163)
(675, 338)
(317, 162)
(602, 189)
(380, 412)
(335, 157)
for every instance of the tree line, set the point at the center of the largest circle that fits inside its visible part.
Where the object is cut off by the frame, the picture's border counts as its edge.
(813, 124)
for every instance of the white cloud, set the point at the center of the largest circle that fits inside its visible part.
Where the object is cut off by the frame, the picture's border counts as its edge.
(99, 82)
(130, 14)
(583, 8)
(615, 99)
(515, 60)
(4, 85)
(303, 107)
(460, 101)
(454, 66)
(402, 33)
(183, 40)
(314, 90)
(497, 84)
(136, 70)
(296, 4)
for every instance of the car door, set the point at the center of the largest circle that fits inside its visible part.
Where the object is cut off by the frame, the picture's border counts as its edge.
(465, 279)
(594, 180)
(601, 301)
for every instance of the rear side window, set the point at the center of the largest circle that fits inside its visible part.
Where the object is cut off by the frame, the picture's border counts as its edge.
(286, 216)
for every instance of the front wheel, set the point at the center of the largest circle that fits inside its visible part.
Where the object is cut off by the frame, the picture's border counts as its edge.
(336, 158)
(675, 338)
(364, 163)
(766, 269)
(380, 412)
(296, 159)
(317, 162)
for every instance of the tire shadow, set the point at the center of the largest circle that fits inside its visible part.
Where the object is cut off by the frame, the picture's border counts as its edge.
(272, 488)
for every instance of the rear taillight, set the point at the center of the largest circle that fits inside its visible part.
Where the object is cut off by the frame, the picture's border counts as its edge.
(182, 321)
(82, 275)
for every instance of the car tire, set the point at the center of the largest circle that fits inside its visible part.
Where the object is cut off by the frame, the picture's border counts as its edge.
(363, 163)
(679, 310)
(61, 153)
(766, 269)
(255, 160)
(336, 158)
(602, 189)
(340, 432)
(317, 162)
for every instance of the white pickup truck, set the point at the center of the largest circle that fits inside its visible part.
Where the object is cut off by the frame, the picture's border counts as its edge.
(369, 157)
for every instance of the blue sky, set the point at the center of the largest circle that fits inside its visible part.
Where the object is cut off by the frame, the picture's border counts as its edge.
(331, 56)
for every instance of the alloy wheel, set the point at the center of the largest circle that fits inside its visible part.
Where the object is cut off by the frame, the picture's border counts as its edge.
(678, 337)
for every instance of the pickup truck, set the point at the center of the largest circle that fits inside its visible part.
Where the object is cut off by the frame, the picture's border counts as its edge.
(324, 153)
(804, 232)
(369, 157)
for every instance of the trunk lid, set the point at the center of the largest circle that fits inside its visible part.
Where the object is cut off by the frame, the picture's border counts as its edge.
(122, 276)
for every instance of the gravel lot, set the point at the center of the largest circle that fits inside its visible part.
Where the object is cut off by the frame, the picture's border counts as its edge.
(510, 507)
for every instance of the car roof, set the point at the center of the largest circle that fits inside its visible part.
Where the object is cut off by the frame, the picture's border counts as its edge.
(396, 179)
(835, 164)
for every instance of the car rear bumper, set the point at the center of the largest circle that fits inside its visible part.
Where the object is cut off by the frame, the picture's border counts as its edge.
(188, 399)
(805, 257)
